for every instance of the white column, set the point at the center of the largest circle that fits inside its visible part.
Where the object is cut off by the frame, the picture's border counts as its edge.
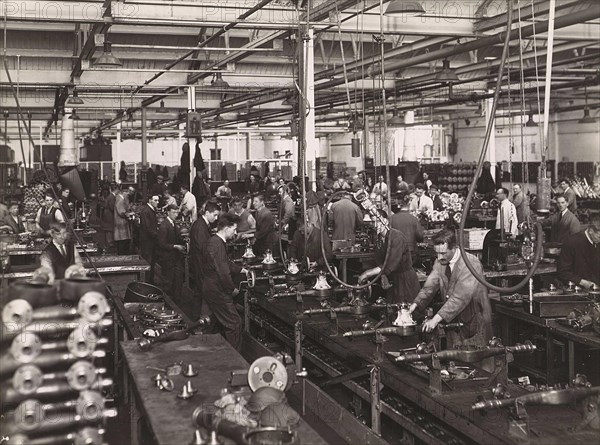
(68, 148)
(491, 152)
(312, 143)
(410, 152)
(115, 171)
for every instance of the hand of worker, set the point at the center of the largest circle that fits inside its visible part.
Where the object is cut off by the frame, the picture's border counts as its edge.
(587, 284)
(412, 308)
(431, 324)
(235, 292)
(179, 247)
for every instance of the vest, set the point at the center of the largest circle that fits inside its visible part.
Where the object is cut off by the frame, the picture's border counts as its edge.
(243, 225)
(47, 217)
(59, 262)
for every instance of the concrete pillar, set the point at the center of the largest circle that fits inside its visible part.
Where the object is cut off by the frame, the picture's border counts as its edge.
(410, 152)
(491, 151)
(68, 147)
(144, 140)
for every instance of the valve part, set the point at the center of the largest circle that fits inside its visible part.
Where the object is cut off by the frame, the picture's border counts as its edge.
(27, 379)
(93, 306)
(51, 328)
(90, 405)
(17, 311)
(267, 372)
(190, 388)
(190, 371)
(82, 341)
(28, 415)
(81, 375)
(185, 394)
(166, 384)
(26, 347)
(89, 436)
(8, 365)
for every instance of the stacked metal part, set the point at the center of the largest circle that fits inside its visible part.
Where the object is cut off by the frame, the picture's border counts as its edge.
(53, 346)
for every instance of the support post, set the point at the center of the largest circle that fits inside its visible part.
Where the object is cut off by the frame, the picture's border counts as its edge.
(115, 174)
(144, 140)
(192, 107)
(491, 153)
(375, 400)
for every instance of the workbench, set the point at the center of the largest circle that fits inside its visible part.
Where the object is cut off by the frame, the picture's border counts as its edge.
(117, 270)
(455, 422)
(566, 352)
(159, 417)
(343, 257)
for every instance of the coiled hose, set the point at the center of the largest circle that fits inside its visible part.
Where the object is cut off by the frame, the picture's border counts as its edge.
(465, 212)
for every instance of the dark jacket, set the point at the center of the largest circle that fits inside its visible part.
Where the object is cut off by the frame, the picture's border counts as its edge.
(437, 203)
(265, 232)
(561, 228)
(167, 239)
(16, 226)
(410, 227)
(148, 232)
(399, 267)
(58, 261)
(108, 213)
(199, 236)
(218, 270)
(579, 259)
(346, 217)
(464, 300)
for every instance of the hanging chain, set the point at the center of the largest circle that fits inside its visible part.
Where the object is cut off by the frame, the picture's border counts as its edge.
(524, 170)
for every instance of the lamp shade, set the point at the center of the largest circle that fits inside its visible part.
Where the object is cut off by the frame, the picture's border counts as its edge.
(107, 60)
(530, 122)
(399, 7)
(447, 74)
(74, 99)
(586, 119)
(218, 81)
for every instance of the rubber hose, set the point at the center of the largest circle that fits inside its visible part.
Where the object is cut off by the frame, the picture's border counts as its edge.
(465, 212)
(350, 286)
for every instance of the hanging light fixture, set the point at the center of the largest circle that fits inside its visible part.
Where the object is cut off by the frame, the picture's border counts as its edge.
(395, 120)
(162, 108)
(218, 81)
(107, 60)
(400, 7)
(447, 74)
(586, 119)
(530, 122)
(75, 99)
(74, 116)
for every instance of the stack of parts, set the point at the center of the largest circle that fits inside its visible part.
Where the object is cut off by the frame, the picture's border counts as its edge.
(53, 346)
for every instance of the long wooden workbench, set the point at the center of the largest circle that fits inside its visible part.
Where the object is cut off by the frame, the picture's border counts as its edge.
(159, 417)
(452, 409)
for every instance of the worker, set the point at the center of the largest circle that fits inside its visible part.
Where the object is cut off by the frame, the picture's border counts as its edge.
(67, 204)
(108, 216)
(563, 223)
(265, 227)
(13, 221)
(521, 203)
(341, 183)
(398, 269)
(427, 182)
(158, 187)
(309, 234)
(464, 298)
(401, 186)
(380, 188)
(507, 213)
(123, 173)
(48, 214)
(434, 194)
(569, 194)
(247, 224)
(60, 253)
(188, 208)
(579, 258)
(122, 232)
(149, 232)
(168, 198)
(200, 232)
(346, 217)
(171, 249)
(421, 202)
(287, 211)
(410, 226)
(3, 210)
(218, 286)
(224, 191)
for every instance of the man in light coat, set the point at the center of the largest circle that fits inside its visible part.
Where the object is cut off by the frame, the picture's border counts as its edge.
(521, 203)
(465, 299)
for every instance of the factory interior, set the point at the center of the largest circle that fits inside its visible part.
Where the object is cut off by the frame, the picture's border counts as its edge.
(300, 222)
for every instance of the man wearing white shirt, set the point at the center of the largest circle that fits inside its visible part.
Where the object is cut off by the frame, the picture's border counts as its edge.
(48, 214)
(188, 206)
(421, 202)
(380, 188)
(60, 253)
(507, 213)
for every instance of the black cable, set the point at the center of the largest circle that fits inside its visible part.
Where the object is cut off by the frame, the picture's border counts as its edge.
(465, 212)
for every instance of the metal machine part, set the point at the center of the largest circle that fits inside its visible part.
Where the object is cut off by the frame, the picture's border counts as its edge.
(267, 372)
